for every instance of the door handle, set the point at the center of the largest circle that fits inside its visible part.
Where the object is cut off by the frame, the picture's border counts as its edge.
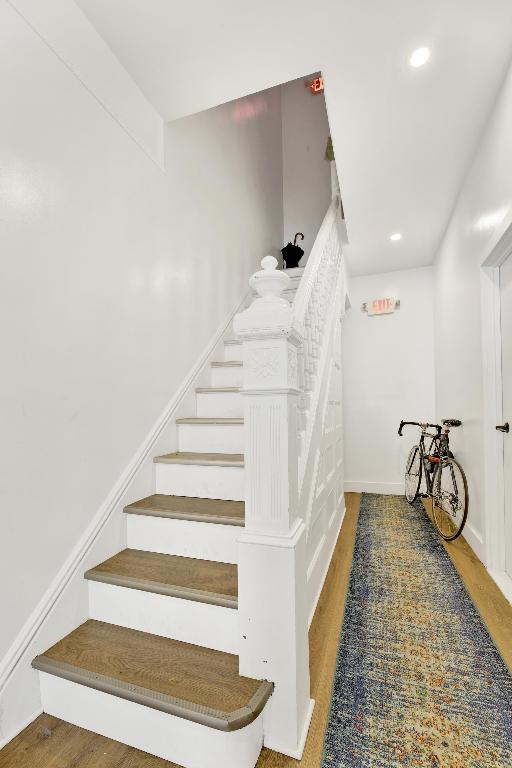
(503, 427)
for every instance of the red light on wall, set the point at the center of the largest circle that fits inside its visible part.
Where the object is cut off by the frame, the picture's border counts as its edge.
(381, 306)
(316, 85)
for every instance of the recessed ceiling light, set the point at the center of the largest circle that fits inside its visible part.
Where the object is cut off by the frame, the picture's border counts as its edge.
(395, 237)
(419, 57)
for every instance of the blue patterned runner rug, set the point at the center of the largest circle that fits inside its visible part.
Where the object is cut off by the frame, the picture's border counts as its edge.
(418, 680)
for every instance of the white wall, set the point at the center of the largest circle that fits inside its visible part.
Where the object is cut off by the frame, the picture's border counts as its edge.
(306, 172)
(482, 214)
(115, 275)
(388, 375)
(68, 32)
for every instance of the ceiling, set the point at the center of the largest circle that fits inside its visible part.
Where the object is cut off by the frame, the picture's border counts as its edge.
(403, 137)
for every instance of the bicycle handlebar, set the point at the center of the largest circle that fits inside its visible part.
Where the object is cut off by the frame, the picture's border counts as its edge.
(418, 424)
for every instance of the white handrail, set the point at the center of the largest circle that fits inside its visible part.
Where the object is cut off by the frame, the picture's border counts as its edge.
(312, 313)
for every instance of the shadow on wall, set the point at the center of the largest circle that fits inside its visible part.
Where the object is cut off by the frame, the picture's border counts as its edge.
(306, 170)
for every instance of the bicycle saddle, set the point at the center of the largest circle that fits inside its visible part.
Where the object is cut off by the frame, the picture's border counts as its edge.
(451, 422)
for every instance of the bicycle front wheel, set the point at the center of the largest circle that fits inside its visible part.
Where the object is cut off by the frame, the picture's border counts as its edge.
(449, 498)
(413, 474)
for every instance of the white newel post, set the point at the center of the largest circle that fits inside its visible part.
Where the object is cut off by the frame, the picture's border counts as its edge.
(272, 556)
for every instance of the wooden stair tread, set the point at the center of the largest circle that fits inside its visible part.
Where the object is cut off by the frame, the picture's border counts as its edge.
(211, 420)
(215, 390)
(213, 459)
(188, 508)
(226, 364)
(185, 577)
(186, 680)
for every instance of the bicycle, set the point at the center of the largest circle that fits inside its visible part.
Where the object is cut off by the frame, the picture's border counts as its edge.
(446, 483)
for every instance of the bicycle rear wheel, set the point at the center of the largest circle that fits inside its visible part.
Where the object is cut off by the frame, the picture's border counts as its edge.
(449, 498)
(413, 471)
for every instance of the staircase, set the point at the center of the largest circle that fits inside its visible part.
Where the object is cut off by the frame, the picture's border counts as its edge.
(196, 647)
(156, 666)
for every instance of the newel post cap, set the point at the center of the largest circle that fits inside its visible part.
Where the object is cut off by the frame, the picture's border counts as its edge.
(269, 314)
(269, 282)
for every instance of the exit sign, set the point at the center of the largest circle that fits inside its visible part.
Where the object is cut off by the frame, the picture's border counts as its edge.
(383, 306)
(316, 85)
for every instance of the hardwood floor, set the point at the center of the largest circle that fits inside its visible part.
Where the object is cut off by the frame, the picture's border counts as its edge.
(51, 743)
(324, 636)
(490, 601)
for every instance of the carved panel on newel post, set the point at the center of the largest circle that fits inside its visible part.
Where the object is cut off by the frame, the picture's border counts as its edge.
(269, 354)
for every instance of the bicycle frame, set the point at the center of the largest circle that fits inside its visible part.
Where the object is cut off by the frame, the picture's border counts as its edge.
(427, 463)
(438, 449)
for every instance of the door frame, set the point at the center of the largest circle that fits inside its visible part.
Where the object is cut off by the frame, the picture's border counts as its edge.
(494, 502)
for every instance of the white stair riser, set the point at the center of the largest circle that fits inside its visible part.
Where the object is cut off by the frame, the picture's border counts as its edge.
(172, 738)
(211, 438)
(225, 404)
(189, 621)
(227, 377)
(199, 480)
(186, 538)
(232, 351)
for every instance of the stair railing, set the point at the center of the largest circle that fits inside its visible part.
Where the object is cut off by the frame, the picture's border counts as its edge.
(312, 314)
(287, 351)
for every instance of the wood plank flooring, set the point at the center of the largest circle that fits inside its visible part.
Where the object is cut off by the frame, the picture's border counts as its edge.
(180, 670)
(51, 743)
(199, 578)
(490, 601)
(324, 636)
(212, 420)
(207, 459)
(187, 508)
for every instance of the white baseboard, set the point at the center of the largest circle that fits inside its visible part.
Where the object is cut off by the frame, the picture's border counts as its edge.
(296, 753)
(363, 486)
(21, 727)
(475, 541)
(114, 501)
(504, 582)
(327, 562)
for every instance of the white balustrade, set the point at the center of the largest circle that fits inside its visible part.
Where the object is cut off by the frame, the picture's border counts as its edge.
(288, 364)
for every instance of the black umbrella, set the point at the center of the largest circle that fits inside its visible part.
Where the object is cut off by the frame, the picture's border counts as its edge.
(292, 254)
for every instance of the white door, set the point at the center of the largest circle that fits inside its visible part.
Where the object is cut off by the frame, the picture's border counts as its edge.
(506, 361)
